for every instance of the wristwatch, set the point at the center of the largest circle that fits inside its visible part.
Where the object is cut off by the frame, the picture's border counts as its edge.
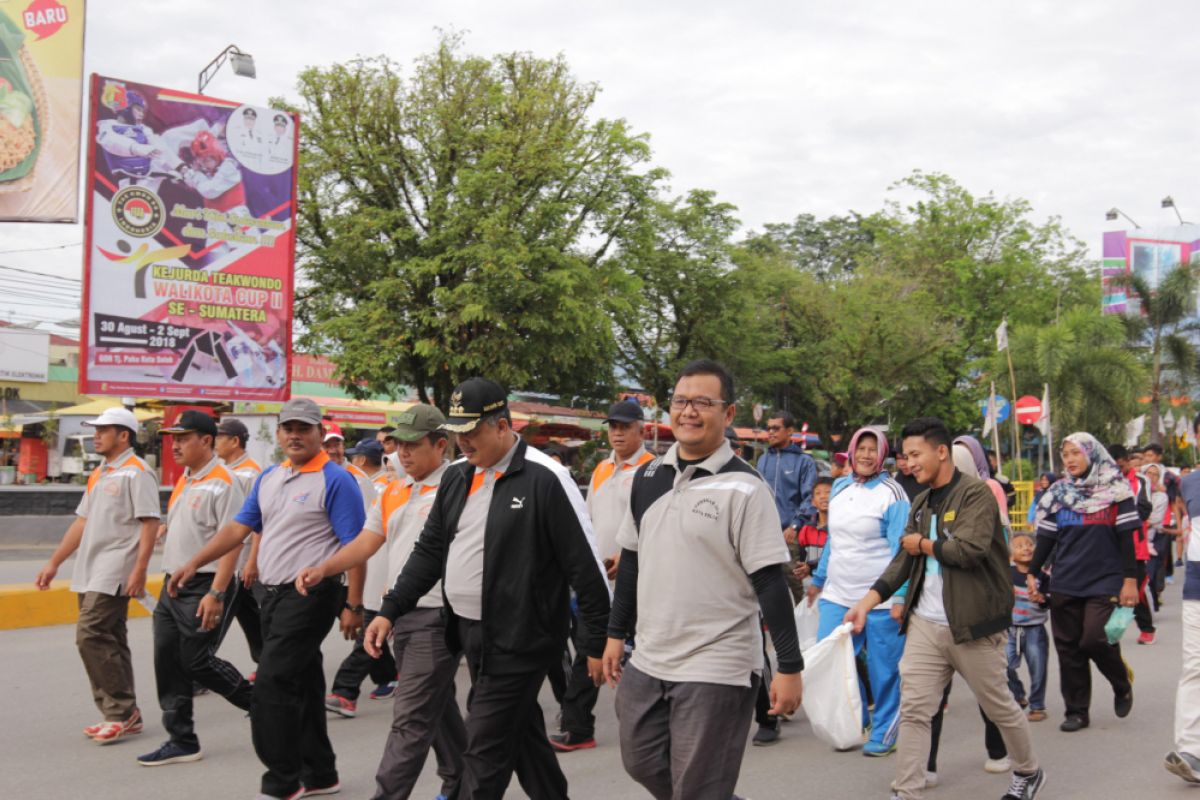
(217, 593)
(356, 609)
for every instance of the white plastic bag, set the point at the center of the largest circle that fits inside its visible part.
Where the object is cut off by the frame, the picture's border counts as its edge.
(807, 621)
(831, 698)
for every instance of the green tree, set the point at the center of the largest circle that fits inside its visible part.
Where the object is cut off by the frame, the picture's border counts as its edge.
(831, 248)
(1094, 377)
(693, 297)
(1163, 325)
(456, 222)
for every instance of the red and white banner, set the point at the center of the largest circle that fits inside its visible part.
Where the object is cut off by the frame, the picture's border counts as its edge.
(189, 249)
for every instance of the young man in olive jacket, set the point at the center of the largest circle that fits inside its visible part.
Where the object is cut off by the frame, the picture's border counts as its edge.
(508, 536)
(955, 559)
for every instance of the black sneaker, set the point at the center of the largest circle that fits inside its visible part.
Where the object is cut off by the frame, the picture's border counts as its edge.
(1025, 787)
(1073, 722)
(566, 742)
(170, 753)
(766, 735)
(1123, 704)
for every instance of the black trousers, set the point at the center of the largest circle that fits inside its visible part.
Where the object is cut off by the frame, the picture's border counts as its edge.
(579, 698)
(245, 611)
(287, 717)
(358, 665)
(505, 731)
(183, 653)
(992, 740)
(1078, 626)
(1141, 612)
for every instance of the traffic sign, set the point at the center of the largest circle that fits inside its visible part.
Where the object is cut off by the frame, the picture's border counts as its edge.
(1003, 409)
(1029, 409)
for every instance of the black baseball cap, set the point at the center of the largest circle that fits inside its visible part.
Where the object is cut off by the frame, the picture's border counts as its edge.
(370, 448)
(193, 421)
(229, 426)
(472, 400)
(625, 411)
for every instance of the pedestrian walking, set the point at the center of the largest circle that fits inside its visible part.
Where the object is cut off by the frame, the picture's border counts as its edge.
(607, 504)
(367, 457)
(303, 510)
(1184, 760)
(425, 713)
(1027, 638)
(701, 556)
(230, 446)
(508, 536)
(113, 536)
(1087, 521)
(868, 512)
(958, 608)
(189, 625)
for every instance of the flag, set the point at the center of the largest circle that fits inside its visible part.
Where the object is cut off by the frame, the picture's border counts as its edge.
(1002, 336)
(989, 419)
(1133, 430)
(1183, 430)
(1043, 423)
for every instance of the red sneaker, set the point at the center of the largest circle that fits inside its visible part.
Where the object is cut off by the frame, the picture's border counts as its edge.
(566, 742)
(1146, 637)
(113, 731)
(341, 706)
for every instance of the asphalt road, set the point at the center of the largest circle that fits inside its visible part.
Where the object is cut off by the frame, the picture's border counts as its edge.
(44, 753)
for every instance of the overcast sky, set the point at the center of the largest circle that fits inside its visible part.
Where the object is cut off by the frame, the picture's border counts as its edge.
(782, 108)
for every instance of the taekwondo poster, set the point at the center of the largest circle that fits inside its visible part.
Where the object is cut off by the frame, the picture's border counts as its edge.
(189, 246)
(41, 83)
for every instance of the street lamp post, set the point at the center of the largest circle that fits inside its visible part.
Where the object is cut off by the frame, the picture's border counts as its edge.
(1169, 202)
(242, 63)
(1112, 214)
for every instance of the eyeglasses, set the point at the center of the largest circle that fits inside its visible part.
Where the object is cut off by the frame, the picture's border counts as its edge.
(700, 404)
(774, 428)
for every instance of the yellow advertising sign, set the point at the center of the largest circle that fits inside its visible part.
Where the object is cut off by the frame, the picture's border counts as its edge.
(41, 80)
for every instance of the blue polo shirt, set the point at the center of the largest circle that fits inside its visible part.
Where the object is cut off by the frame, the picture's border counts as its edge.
(305, 514)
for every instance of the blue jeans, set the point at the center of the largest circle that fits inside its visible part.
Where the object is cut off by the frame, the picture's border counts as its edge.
(1031, 642)
(885, 645)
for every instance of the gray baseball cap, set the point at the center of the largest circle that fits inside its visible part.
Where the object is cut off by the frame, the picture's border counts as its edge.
(300, 409)
(417, 422)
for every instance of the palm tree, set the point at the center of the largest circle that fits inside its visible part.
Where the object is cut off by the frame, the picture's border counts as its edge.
(1093, 375)
(1164, 330)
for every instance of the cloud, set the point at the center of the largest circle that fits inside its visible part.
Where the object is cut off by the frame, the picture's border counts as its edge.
(782, 108)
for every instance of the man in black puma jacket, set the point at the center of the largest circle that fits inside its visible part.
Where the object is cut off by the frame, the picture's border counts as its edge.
(508, 536)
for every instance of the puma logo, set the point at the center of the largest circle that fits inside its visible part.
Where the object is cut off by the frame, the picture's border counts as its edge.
(518, 503)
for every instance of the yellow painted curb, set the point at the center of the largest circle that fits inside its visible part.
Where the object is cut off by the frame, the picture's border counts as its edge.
(23, 605)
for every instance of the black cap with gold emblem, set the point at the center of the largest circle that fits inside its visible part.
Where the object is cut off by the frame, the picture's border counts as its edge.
(472, 400)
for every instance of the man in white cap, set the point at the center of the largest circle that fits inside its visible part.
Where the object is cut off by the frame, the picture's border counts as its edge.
(114, 531)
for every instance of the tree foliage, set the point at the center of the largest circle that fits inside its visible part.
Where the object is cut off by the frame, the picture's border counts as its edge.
(456, 222)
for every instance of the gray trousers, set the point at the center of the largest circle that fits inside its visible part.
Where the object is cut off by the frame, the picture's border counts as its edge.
(683, 741)
(103, 646)
(425, 712)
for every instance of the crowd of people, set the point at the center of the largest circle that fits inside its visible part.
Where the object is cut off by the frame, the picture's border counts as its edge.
(660, 583)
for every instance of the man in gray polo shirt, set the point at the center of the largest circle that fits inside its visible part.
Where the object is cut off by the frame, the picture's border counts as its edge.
(114, 531)
(302, 510)
(703, 523)
(189, 626)
(425, 713)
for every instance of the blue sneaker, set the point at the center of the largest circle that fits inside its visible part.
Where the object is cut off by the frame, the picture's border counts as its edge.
(384, 691)
(878, 749)
(171, 753)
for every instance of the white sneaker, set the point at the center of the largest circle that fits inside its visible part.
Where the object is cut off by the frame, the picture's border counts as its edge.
(1185, 765)
(997, 765)
(931, 780)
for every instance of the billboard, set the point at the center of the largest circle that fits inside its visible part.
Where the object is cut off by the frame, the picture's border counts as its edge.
(24, 355)
(189, 246)
(41, 81)
(1149, 253)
